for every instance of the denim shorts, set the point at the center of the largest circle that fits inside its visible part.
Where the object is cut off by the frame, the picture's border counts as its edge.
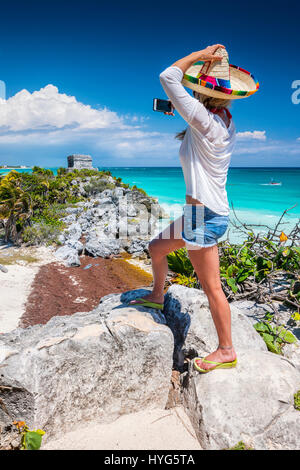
(202, 227)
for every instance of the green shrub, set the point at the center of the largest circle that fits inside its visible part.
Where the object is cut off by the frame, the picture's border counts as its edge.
(96, 186)
(240, 446)
(118, 181)
(274, 337)
(241, 262)
(40, 233)
(297, 400)
(140, 190)
(62, 171)
(180, 263)
(51, 215)
(187, 281)
(30, 440)
(42, 171)
(32, 203)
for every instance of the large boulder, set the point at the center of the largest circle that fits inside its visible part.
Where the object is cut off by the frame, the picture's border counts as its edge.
(187, 314)
(292, 352)
(138, 246)
(103, 247)
(68, 255)
(76, 245)
(253, 403)
(3, 269)
(98, 365)
(9, 434)
(74, 231)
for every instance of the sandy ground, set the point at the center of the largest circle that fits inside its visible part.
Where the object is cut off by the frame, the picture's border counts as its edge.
(147, 430)
(140, 263)
(15, 285)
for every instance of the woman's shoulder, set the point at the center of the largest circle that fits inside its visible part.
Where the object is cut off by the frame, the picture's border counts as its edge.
(226, 128)
(217, 133)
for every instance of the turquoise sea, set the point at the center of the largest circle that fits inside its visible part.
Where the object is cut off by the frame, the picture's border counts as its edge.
(254, 200)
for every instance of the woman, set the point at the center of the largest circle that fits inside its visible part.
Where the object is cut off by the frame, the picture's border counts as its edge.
(205, 155)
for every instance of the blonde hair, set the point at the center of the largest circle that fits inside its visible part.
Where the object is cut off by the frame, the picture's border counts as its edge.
(209, 103)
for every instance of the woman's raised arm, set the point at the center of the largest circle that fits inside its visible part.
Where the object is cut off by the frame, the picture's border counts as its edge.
(183, 102)
(207, 55)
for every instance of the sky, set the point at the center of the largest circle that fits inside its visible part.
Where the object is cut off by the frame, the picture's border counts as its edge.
(80, 77)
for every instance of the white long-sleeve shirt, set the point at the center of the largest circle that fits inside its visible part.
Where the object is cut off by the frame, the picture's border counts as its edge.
(206, 150)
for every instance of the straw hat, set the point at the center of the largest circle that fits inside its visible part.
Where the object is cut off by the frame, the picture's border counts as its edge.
(219, 79)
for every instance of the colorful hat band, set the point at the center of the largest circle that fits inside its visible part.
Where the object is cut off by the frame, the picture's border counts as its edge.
(220, 85)
(215, 81)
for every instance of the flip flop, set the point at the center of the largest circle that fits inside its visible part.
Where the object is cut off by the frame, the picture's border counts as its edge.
(219, 365)
(145, 303)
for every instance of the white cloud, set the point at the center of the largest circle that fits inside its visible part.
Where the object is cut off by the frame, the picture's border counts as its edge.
(49, 119)
(48, 109)
(254, 135)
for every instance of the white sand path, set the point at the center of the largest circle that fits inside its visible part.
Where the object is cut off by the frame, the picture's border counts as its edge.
(150, 429)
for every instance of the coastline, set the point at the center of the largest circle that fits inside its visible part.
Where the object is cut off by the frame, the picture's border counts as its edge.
(254, 201)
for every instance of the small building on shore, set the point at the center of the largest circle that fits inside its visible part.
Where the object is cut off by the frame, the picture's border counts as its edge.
(80, 162)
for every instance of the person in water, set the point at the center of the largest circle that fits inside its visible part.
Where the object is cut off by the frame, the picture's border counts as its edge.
(205, 153)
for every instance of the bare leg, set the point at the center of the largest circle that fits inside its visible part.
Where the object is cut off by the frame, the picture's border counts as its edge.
(206, 265)
(167, 241)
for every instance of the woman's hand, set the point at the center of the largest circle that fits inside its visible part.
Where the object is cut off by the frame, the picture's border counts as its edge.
(207, 55)
(170, 113)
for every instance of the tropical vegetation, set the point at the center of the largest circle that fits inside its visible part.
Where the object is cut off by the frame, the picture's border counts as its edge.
(32, 205)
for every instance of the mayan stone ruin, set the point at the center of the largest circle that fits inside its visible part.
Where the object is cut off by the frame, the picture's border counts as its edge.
(80, 162)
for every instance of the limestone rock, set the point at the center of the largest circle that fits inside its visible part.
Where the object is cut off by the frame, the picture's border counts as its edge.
(138, 245)
(74, 231)
(97, 365)
(75, 244)
(253, 403)
(3, 269)
(68, 255)
(69, 219)
(111, 220)
(10, 438)
(292, 352)
(187, 314)
(103, 247)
